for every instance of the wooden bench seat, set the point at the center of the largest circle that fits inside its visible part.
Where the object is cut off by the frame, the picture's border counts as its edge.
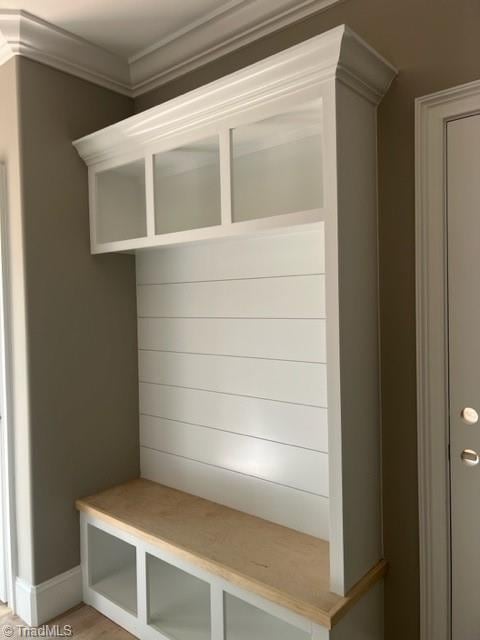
(279, 564)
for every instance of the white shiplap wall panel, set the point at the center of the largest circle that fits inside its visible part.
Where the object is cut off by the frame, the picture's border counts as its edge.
(233, 389)
(299, 510)
(284, 255)
(277, 297)
(280, 463)
(299, 382)
(294, 424)
(280, 339)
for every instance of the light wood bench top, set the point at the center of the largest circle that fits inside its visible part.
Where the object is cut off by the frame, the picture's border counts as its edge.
(282, 565)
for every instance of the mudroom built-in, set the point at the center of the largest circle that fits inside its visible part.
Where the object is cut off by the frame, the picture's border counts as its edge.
(251, 207)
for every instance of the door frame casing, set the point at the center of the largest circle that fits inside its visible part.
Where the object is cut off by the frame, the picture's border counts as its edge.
(432, 113)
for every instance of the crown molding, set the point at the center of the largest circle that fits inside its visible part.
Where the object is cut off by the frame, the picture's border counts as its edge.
(217, 33)
(22, 34)
(238, 23)
(338, 54)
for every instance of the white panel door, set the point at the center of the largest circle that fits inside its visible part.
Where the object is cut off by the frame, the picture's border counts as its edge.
(463, 217)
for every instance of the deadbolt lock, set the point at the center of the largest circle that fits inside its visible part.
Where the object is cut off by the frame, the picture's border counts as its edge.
(470, 457)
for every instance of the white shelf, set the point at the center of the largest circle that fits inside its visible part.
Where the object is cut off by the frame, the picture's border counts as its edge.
(179, 603)
(120, 203)
(112, 568)
(120, 587)
(187, 187)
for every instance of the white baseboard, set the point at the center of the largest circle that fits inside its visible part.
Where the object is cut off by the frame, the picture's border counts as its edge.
(37, 604)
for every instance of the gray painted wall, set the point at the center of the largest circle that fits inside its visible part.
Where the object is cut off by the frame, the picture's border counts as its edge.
(81, 318)
(435, 45)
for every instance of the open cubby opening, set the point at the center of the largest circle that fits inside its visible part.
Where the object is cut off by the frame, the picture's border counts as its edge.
(178, 602)
(243, 621)
(121, 203)
(113, 568)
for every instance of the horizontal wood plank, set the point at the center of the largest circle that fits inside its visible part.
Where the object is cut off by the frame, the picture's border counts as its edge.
(237, 258)
(299, 425)
(277, 339)
(282, 297)
(303, 383)
(286, 506)
(282, 565)
(283, 464)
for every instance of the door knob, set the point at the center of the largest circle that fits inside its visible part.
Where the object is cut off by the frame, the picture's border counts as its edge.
(470, 457)
(469, 415)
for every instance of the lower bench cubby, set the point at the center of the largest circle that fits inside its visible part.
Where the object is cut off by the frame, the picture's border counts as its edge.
(178, 602)
(166, 565)
(112, 567)
(246, 622)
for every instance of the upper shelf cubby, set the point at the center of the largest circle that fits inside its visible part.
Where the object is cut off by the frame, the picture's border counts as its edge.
(255, 150)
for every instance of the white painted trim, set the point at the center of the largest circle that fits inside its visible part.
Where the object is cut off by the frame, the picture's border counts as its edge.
(7, 460)
(217, 33)
(138, 625)
(336, 54)
(41, 603)
(26, 35)
(432, 114)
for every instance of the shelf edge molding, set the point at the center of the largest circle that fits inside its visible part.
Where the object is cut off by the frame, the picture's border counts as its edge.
(338, 54)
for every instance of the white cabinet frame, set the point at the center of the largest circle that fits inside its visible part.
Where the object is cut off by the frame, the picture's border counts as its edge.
(348, 79)
(138, 625)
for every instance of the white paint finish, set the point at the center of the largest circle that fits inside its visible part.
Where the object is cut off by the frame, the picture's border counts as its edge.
(257, 190)
(214, 36)
(218, 587)
(179, 603)
(302, 469)
(121, 203)
(432, 114)
(352, 351)
(259, 257)
(187, 186)
(24, 34)
(217, 612)
(223, 393)
(37, 604)
(113, 569)
(142, 588)
(289, 507)
(84, 38)
(8, 531)
(123, 27)
(298, 425)
(349, 78)
(275, 338)
(120, 587)
(297, 382)
(287, 223)
(245, 622)
(282, 297)
(292, 76)
(124, 618)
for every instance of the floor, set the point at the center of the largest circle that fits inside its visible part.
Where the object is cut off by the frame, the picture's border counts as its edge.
(84, 624)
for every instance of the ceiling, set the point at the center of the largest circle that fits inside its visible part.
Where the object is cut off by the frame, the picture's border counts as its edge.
(124, 27)
(133, 46)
